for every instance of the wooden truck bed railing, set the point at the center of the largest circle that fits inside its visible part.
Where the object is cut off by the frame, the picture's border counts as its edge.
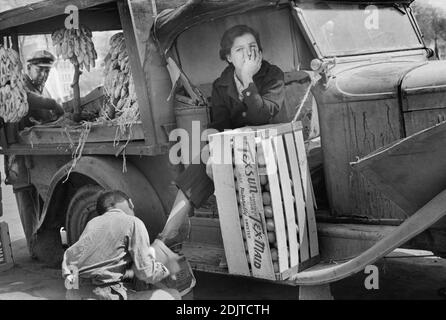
(98, 132)
(417, 223)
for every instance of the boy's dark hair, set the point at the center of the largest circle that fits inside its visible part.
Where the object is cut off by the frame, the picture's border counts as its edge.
(227, 40)
(108, 199)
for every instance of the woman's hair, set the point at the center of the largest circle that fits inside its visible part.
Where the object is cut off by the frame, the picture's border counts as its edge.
(227, 40)
(108, 199)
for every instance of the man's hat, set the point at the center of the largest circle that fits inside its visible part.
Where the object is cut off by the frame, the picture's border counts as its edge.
(42, 58)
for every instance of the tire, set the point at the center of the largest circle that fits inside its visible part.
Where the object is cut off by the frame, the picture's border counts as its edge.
(81, 209)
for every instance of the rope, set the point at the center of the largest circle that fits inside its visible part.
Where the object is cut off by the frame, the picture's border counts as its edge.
(154, 9)
(77, 154)
(314, 80)
(69, 137)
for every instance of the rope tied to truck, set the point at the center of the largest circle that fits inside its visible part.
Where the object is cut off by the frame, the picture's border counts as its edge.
(77, 153)
(314, 81)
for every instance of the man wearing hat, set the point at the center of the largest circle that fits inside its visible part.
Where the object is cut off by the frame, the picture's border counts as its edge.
(42, 108)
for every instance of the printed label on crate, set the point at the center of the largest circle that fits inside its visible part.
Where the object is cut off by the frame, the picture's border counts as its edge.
(6, 261)
(251, 207)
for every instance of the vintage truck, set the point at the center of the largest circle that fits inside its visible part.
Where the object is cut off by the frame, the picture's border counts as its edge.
(377, 91)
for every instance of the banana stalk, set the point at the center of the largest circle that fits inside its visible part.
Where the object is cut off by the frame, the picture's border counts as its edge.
(118, 82)
(76, 90)
(13, 102)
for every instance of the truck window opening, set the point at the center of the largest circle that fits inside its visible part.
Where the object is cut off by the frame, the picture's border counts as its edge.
(61, 75)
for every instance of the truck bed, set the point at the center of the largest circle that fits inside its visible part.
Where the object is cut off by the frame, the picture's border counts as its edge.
(339, 243)
(102, 138)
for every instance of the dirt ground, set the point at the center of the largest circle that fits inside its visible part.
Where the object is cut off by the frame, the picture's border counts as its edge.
(405, 274)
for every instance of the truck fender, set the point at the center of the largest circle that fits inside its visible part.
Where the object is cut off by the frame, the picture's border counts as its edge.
(108, 173)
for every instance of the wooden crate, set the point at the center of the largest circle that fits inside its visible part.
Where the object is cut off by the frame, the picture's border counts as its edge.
(6, 261)
(265, 200)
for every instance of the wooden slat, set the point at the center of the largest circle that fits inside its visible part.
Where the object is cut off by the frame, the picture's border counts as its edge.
(251, 205)
(399, 171)
(15, 42)
(311, 217)
(300, 201)
(133, 148)
(227, 208)
(154, 66)
(42, 135)
(276, 200)
(288, 201)
(267, 130)
(313, 196)
(6, 260)
(305, 172)
(5, 160)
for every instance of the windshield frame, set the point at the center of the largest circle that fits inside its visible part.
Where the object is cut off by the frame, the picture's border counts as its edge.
(298, 12)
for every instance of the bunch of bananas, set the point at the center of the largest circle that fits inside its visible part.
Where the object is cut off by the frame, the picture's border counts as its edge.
(76, 45)
(13, 99)
(118, 83)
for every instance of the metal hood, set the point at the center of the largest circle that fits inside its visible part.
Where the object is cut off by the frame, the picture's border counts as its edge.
(377, 80)
(170, 23)
(425, 87)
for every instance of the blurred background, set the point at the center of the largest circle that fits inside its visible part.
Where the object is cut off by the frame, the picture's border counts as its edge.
(430, 14)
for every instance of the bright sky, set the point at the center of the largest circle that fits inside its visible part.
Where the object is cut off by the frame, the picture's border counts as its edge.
(438, 3)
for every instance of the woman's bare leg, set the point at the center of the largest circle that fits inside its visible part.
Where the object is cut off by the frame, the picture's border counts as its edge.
(180, 211)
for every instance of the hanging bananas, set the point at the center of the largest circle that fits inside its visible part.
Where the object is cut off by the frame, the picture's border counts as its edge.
(75, 45)
(118, 82)
(13, 99)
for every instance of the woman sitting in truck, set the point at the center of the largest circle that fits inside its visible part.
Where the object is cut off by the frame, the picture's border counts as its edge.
(249, 92)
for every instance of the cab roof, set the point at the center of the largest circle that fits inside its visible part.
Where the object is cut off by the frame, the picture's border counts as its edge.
(170, 23)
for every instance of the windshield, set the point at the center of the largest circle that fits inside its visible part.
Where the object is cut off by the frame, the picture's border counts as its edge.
(341, 29)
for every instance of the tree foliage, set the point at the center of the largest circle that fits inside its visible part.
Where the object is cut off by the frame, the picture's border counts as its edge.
(11, 4)
(432, 22)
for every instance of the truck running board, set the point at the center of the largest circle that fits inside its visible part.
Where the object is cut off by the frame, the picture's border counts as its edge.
(429, 214)
(205, 255)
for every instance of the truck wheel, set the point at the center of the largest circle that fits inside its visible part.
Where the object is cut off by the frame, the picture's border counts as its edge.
(81, 209)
